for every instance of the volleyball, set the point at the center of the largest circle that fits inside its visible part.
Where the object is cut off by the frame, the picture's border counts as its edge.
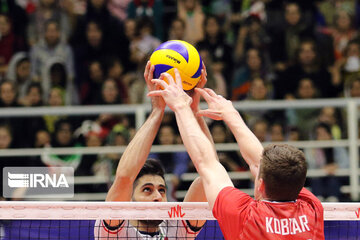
(181, 55)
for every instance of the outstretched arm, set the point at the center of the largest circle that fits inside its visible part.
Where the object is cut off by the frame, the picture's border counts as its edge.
(213, 175)
(137, 151)
(196, 191)
(222, 109)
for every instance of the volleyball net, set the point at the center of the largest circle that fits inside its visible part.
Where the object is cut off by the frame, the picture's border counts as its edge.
(100, 220)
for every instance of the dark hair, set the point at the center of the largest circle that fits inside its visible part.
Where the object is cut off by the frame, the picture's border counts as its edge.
(59, 69)
(144, 22)
(283, 169)
(325, 126)
(151, 167)
(180, 21)
(34, 85)
(22, 60)
(60, 123)
(52, 21)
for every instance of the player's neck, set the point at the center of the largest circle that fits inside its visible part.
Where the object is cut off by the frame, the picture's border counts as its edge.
(143, 227)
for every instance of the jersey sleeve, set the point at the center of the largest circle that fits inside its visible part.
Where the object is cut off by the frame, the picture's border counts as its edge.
(317, 209)
(230, 209)
(307, 196)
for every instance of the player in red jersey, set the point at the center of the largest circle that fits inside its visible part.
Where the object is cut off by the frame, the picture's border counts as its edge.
(282, 208)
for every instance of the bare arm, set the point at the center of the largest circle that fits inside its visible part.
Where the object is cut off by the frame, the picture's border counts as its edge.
(222, 109)
(196, 191)
(213, 174)
(134, 158)
(137, 151)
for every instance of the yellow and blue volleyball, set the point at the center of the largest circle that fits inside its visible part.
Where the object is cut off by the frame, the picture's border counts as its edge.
(181, 55)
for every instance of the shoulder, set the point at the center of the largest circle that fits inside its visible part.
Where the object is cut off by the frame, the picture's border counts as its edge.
(306, 196)
(231, 201)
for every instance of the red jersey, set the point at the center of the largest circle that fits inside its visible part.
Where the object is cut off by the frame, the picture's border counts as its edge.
(241, 217)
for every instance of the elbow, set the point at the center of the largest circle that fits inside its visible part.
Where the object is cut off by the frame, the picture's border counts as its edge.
(123, 177)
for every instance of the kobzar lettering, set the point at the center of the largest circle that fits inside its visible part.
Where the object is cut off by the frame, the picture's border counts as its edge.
(287, 226)
(46, 180)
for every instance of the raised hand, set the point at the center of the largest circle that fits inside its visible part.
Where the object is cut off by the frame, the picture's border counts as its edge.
(218, 105)
(156, 102)
(196, 96)
(173, 93)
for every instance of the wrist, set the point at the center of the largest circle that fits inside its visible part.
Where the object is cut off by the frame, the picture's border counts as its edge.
(230, 114)
(182, 107)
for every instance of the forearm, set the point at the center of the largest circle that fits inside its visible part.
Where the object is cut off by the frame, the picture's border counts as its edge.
(138, 149)
(196, 142)
(250, 147)
(134, 158)
(204, 128)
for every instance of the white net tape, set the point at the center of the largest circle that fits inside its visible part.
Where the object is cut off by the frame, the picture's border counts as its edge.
(138, 210)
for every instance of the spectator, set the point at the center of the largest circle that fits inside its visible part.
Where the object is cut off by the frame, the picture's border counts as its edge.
(259, 91)
(93, 136)
(118, 8)
(33, 96)
(18, 16)
(144, 43)
(286, 40)
(48, 10)
(6, 142)
(152, 9)
(251, 35)
(309, 66)
(62, 137)
(110, 95)
(174, 162)
(254, 67)
(332, 117)
(294, 134)
(215, 79)
(94, 48)
(342, 32)
(116, 71)
(277, 133)
(348, 66)
(8, 99)
(230, 160)
(19, 73)
(33, 124)
(191, 13)
(106, 165)
(177, 29)
(221, 52)
(353, 88)
(260, 129)
(8, 94)
(329, 159)
(56, 99)
(91, 90)
(109, 92)
(111, 27)
(10, 43)
(48, 48)
(56, 75)
(304, 119)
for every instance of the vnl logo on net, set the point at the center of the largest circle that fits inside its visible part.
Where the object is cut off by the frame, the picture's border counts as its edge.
(34, 182)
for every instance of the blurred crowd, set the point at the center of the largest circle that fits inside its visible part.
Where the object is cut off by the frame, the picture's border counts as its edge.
(93, 52)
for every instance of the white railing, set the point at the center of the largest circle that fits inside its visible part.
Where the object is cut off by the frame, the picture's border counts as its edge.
(140, 111)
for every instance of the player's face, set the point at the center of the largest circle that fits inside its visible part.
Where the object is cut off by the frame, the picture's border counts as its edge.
(150, 188)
